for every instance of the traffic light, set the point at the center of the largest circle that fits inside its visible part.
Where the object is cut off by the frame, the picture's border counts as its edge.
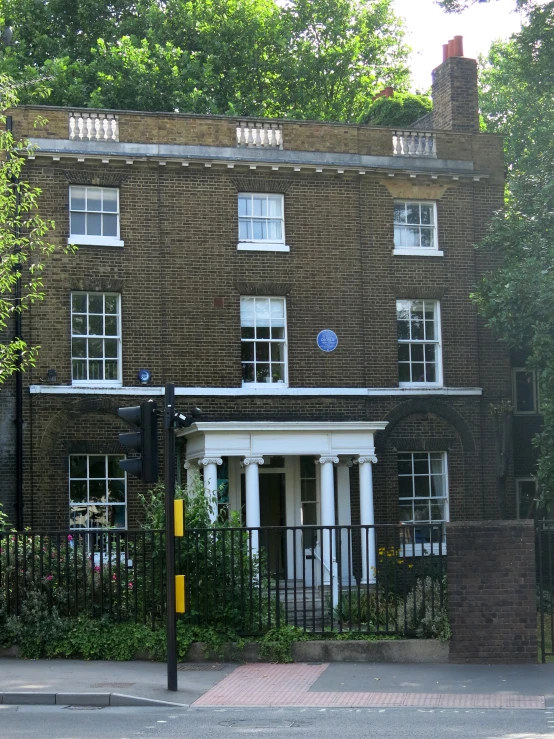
(144, 440)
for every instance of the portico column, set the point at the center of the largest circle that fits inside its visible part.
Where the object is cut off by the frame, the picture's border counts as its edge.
(367, 517)
(252, 484)
(210, 482)
(192, 471)
(327, 487)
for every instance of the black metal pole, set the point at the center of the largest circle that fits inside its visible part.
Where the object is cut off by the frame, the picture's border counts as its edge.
(169, 481)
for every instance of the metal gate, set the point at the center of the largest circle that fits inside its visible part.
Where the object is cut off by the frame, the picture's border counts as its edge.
(545, 585)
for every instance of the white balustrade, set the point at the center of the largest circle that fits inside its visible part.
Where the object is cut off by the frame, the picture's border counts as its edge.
(93, 126)
(414, 144)
(259, 135)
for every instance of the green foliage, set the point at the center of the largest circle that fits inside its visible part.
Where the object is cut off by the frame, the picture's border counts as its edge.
(457, 6)
(320, 59)
(371, 611)
(23, 250)
(276, 644)
(402, 109)
(423, 613)
(517, 299)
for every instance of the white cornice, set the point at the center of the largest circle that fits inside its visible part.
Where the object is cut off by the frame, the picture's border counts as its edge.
(254, 392)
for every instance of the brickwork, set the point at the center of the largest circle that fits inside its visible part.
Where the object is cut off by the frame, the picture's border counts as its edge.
(181, 277)
(455, 103)
(491, 592)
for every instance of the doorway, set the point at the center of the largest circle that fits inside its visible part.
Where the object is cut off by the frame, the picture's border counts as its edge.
(272, 483)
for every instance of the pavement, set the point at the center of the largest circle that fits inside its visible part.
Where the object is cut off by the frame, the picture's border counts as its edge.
(341, 685)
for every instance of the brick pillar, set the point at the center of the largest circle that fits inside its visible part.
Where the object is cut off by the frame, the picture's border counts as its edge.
(455, 100)
(492, 591)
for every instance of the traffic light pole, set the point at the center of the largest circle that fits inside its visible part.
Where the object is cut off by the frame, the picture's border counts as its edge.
(169, 481)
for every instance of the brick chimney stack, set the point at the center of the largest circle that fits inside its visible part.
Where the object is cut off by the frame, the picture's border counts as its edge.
(455, 103)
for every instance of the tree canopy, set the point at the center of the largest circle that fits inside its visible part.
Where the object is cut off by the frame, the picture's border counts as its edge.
(517, 99)
(23, 249)
(322, 59)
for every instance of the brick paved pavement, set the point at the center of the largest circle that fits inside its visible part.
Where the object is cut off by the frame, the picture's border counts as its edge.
(289, 685)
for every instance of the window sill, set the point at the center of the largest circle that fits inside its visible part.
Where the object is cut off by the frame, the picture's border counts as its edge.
(95, 383)
(261, 246)
(421, 384)
(414, 251)
(95, 241)
(264, 387)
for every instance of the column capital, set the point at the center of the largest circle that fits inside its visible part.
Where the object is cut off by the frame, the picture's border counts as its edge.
(210, 460)
(189, 465)
(252, 460)
(365, 459)
(345, 462)
(323, 459)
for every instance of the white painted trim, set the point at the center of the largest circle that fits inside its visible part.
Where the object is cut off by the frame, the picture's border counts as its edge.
(95, 241)
(249, 392)
(415, 251)
(262, 246)
(237, 392)
(276, 426)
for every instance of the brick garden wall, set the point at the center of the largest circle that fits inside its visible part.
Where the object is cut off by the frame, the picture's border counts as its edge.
(491, 591)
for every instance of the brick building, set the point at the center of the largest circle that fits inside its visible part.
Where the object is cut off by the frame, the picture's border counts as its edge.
(306, 284)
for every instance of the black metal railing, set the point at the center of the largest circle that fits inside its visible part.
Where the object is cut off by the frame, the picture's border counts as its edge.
(365, 579)
(120, 575)
(545, 586)
(373, 580)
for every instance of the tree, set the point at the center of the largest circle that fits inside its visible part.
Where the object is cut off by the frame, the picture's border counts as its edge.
(23, 250)
(518, 299)
(457, 6)
(305, 59)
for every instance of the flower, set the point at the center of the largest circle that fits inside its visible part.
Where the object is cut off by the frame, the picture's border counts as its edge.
(130, 585)
(97, 568)
(69, 537)
(114, 576)
(49, 577)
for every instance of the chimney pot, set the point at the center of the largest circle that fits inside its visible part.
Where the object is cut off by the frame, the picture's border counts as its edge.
(450, 48)
(444, 52)
(458, 44)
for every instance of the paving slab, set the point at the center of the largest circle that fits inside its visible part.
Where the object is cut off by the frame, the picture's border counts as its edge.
(138, 679)
(316, 685)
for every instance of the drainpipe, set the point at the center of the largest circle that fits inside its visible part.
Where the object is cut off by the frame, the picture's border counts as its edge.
(18, 382)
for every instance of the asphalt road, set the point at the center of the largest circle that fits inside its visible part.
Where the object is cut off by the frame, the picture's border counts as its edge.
(57, 722)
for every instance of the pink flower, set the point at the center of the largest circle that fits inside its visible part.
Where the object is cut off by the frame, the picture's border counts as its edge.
(114, 576)
(69, 537)
(49, 577)
(97, 568)
(130, 585)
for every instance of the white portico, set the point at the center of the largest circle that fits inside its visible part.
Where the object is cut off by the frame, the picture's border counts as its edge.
(291, 474)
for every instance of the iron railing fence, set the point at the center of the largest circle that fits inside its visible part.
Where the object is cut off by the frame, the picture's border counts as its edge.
(365, 579)
(545, 585)
(101, 573)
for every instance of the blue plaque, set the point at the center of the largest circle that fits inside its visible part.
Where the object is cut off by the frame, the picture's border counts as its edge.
(327, 340)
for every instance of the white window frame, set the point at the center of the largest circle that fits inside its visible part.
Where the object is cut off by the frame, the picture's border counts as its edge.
(96, 383)
(419, 251)
(519, 480)
(437, 342)
(88, 479)
(85, 240)
(268, 385)
(263, 244)
(536, 398)
(413, 549)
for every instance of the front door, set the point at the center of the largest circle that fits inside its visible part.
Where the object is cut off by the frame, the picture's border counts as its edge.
(272, 514)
